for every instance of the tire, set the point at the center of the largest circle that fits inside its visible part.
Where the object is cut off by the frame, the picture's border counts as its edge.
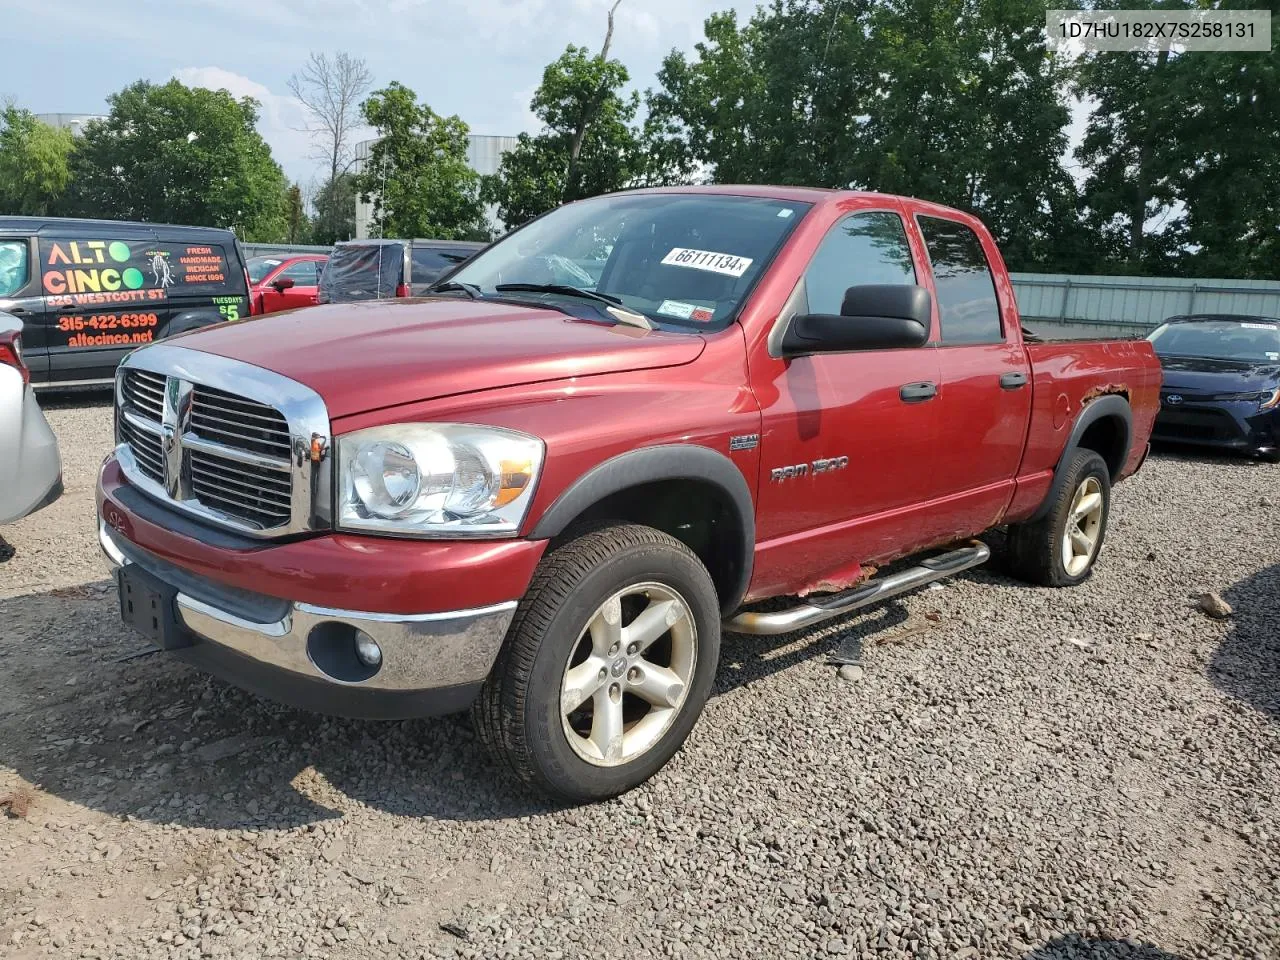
(566, 619)
(1037, 550)
(1269, 455)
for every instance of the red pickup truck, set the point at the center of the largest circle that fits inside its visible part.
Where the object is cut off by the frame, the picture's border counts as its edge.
(544, 489)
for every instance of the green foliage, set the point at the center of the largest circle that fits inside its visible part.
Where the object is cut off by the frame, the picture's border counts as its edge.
(956, 101)
(335, 210)
(182, 155)
(417, 175)
(298, 226)
(34, 163)
(579, 100)
(1183, 153)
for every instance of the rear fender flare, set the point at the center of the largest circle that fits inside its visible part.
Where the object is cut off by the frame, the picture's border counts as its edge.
(679, 461)
(1111, 405)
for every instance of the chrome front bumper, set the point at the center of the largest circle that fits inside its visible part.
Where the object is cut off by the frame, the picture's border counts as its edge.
(450, 653)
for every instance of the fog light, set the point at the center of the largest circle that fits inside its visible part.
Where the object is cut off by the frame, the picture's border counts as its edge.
(367, 650)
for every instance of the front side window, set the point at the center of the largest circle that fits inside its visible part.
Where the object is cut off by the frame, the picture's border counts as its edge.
(683, 260)
(14, 268)
(967, 303)
(860, 249)
(302, 273)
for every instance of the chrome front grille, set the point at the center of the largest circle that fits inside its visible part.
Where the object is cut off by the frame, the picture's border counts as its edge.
(144, 391)
(146, 449)
(261, 495)
(225, 418)
(235, 444)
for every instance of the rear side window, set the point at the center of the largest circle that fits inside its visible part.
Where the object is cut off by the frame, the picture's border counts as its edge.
(126, 270)
(431, 262)
(966, 292)
(860, 249)
(14, 269)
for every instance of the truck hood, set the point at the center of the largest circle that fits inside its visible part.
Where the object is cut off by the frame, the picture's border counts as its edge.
(369, 355)
(1206, 375)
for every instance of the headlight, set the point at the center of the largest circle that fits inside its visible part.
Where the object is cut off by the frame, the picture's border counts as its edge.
(1266, 399)
(436, 480)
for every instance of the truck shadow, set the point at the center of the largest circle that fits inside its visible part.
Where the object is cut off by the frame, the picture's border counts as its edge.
(89, 717)
(1246, 665)
(1073, 946)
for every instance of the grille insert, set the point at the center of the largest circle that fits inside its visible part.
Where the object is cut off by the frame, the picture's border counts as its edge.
(144, 391)
(235, 461)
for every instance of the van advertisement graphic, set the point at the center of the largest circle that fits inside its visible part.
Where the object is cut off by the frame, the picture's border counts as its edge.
(90, 272)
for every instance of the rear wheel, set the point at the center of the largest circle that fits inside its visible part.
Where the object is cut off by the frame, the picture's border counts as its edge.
(607, 665)
(1060, 549)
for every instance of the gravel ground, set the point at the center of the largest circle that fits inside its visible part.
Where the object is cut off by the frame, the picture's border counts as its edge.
(1012, 773)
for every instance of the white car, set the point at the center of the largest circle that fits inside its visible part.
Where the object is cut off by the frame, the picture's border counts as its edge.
(30, 467)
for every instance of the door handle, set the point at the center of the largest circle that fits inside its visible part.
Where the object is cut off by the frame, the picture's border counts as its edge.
(1013, 380)
(918, 392)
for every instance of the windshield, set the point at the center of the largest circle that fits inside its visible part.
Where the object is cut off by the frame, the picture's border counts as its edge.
(259, 267)
(683, 260)
(1251, 340)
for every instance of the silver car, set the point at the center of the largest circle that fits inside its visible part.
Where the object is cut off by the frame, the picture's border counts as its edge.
(30, 468)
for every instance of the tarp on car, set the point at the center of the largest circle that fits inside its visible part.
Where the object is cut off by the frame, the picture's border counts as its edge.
(362, 271)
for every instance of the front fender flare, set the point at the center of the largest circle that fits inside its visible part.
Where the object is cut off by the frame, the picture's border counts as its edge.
(676, 461)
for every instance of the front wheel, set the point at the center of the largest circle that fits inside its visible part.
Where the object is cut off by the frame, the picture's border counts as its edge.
(1060, 549)
(607, 664)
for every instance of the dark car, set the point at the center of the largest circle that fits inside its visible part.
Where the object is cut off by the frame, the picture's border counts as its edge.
(382, 269)
(1221, 382)
(90, 291)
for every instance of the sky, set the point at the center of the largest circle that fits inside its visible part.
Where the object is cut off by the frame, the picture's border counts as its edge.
(480, 59)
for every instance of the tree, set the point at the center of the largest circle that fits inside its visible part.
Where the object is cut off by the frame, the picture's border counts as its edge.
(970, 110)
(34, 163)
(297, 223)
(172, 153)
(331, 89)
(335, 206)
(417, 175)
(586, 146)
(957, 101)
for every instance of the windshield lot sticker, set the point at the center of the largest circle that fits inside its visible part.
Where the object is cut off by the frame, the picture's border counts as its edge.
(1259, 326)
(725, 263)
(674, 308)
(702, 315)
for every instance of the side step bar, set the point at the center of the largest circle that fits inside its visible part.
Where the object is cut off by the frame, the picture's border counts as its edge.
(873, 591)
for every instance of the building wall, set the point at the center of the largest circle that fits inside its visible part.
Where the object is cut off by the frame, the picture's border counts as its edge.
(69, 121)
(484, 154)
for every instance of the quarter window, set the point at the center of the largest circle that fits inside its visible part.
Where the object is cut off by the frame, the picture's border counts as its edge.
(860, 249)
(967, 302)
(14, 269)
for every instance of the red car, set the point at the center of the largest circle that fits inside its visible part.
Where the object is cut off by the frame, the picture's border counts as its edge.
(543, 490)
(283, 282)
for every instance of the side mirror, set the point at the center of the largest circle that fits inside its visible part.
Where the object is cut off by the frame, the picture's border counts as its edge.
(282, 284)
(872, 317)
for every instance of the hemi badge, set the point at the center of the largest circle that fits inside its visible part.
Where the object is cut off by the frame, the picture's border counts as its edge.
(746, 441)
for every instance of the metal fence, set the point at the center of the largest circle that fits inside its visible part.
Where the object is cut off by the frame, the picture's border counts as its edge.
(1061, 305)
(1075, 306)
